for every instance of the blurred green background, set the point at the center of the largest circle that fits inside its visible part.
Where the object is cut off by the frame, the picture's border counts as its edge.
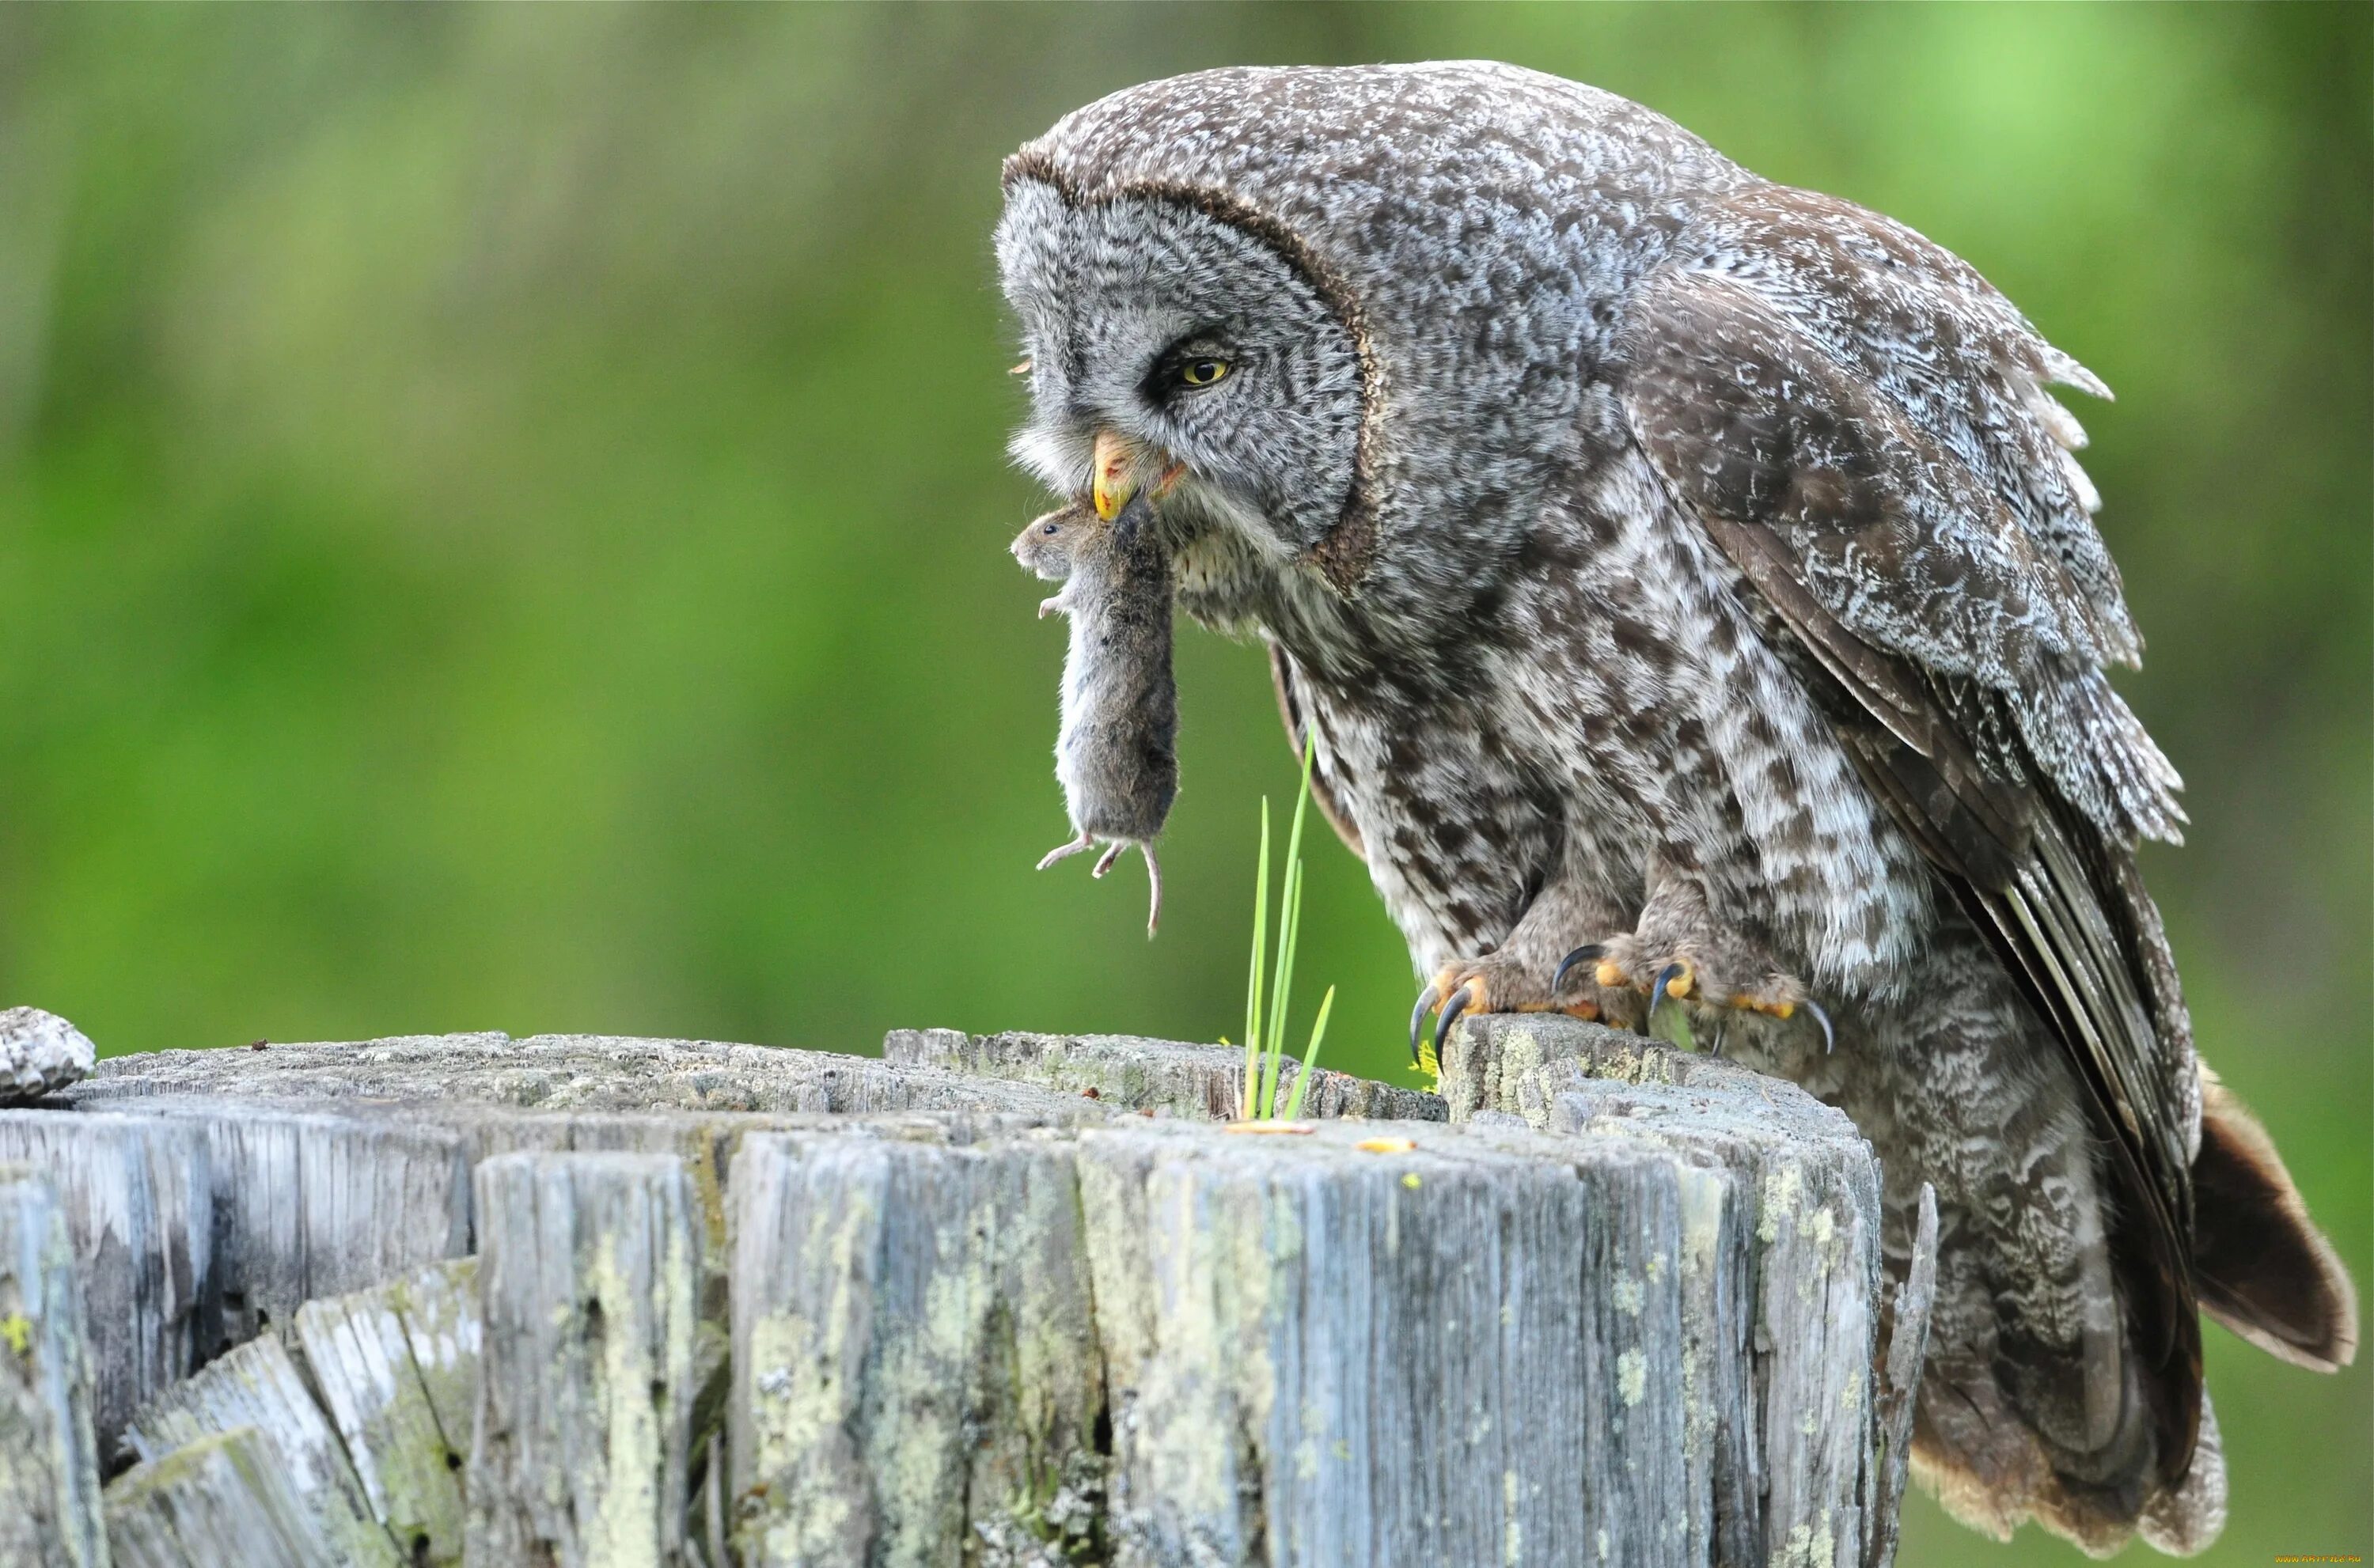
(502, 524)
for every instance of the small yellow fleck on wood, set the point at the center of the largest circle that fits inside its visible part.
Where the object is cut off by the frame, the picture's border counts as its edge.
(1411, 1181)
(1384, 1145)
(18, 1329)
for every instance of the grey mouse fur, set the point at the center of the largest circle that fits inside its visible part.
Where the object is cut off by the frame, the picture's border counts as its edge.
(1117, 757)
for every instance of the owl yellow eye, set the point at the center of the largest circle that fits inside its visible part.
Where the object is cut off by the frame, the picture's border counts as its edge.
(1203, 372)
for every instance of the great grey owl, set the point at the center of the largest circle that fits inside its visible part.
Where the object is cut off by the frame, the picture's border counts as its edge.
(1693, 571)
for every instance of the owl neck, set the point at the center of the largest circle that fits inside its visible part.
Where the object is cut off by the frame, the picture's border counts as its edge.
(1344, 641)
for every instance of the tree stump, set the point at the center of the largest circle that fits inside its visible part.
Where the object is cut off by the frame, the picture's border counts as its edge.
(371, 1355)
(48, 1471)
(138, 1196)
(257, 1387)
(999, 1300)
(1191, 1081)
(916, 1372)
(221, 1499)
(588, 1286)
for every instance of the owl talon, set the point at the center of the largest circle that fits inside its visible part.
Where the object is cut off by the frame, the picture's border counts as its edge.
(1425, 1000)
(1830, 1039)
(1673, 980)
(1452, 1009)
(1579, 955)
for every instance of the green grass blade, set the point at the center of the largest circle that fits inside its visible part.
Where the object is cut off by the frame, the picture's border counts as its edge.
(1253, 985)
(1281, 970)
(1679, 1030)
(1311, 1057)
(1289, 927)
(1289, 923)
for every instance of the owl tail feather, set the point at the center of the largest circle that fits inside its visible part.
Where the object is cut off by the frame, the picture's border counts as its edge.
(2266, 1271)
(1997, 1475)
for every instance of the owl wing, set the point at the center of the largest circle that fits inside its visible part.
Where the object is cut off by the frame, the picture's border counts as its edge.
(1858, 420)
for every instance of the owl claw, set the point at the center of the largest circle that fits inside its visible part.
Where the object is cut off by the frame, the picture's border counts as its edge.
(1579, 955)
(1451, 1008)
(1425, 1000)
(1669, 976)
(1829, 1039)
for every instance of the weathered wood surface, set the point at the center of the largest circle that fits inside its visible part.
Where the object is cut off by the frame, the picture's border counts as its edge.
(41, 1053)
(333, 1167)
(1493, 1346)
(49, 1456)
(138, 1196)
(312, 1204)
(1625, 1307)
(1134, 1074)
(589, 1283)
(374, 1356)
(576, 1072)
(1516, 1063)
(1582, 1080)
(258, 1386)
(915, 1366)
(221, 1501)
(440, 1309)
(1899, 1382)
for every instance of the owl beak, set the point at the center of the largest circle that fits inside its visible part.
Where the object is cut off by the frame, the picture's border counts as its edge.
(1119, 461)
(1115, 480)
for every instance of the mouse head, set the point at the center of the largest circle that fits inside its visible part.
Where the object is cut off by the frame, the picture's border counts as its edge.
(1048, 546)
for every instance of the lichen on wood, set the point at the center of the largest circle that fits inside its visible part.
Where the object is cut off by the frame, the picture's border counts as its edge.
(138, 1197)
(1134, 1074)
(49, 1459)
(915, 1371)
(1793, 1218)
(218, 1501)
(1623, 1307)
(438, 1309)
(360, 1350)
(258, 1387)
(589, 1283)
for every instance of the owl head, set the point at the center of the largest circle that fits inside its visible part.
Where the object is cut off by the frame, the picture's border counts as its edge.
(1332, 312)
(1177, 340)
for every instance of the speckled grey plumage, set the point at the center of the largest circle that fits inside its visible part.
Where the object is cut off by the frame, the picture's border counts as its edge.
(1673, 561)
